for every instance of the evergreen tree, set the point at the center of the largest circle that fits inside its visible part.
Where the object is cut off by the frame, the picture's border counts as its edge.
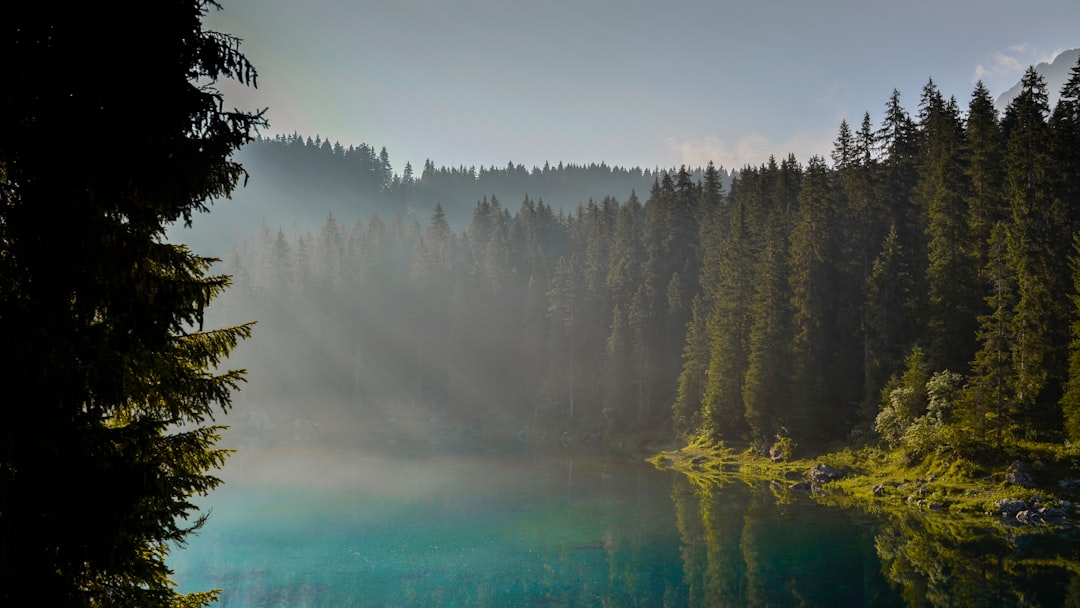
(888, 319)
(991, 394)
(897, 142)
(950, 272)
(985, 171)
(110, 379)
(691, 389)
(728, 330)
(819, 341)
(1070, 400)
(1065, 134)
(1037, 245)
(766, 389)
(565, 297)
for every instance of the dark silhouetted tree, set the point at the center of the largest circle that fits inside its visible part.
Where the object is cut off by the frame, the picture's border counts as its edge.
(111, 382)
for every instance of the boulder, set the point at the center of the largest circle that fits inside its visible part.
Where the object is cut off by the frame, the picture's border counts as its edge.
(1020, 475)
(879, 490)
(1052, 513)
(776, 454)
(1069, 485)
(1029, 517)
(823, 473)
(1009, 507)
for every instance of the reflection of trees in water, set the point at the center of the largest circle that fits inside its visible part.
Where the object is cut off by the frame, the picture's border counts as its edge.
(941, 563)
(710, 532)
(746, 546)
(760, 546)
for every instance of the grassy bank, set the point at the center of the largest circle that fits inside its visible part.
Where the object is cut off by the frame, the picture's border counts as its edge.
(876, 479)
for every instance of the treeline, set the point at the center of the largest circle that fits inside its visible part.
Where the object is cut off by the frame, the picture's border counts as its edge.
(358, 180)
(783, 306)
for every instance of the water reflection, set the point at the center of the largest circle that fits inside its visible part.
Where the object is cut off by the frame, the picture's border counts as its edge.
(533, 530)
(763, 546)
(518, 530)
(935, 562)
(744, 546)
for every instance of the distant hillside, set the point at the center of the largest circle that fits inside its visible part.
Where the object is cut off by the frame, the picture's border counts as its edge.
(1055, 74)
(296, 182)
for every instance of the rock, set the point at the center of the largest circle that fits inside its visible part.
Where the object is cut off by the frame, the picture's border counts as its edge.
(1029, 517)
(1052, 513)
(792, 475)
(879, 490)
(1020, 475)
(802, 486)
(1010, 507)
(823, 473)
(1069, 485)
(936, 506)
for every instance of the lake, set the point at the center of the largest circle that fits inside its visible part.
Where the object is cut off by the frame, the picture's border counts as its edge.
(521, 529)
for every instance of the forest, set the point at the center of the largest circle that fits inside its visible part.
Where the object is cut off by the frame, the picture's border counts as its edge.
(919, 286)
(296, 181)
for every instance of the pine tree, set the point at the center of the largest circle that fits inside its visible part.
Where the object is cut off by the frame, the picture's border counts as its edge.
(767, 388)
(819, 342)
(110, 379)
(1065, 142)
(888, 318)
(691, 387)
(950, 271)
(1070, 400)
(985, 171)
(1037, 244)
(991, 394)
(728, 331)
(897, 142)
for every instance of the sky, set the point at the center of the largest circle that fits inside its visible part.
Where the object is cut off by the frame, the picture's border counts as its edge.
(626, 82)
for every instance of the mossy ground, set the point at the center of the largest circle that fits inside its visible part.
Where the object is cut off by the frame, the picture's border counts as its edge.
(943, 483)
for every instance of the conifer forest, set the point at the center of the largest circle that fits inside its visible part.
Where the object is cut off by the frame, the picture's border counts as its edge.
(919, 285)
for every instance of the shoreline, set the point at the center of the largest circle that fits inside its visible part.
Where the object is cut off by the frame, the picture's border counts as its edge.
(879, 481)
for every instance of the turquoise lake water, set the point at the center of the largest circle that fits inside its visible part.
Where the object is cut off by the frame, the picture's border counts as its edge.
(532, 530)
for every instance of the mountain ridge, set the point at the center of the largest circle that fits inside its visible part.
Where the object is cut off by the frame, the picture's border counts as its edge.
(1055, 73)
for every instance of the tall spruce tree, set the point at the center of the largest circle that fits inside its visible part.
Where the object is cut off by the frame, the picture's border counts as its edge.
(1038, 246)
(110, 379)
(728, 329)
(991, 394)
(1065, 143)
(950, 272)
(816, 291)
(691, 387)
(888, 319)
(1070, 400)
(767, 386)
(985, 171)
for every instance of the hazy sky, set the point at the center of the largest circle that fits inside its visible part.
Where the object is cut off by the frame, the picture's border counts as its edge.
(631, 83)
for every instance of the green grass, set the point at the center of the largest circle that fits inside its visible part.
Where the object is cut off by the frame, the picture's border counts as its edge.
(941, 483)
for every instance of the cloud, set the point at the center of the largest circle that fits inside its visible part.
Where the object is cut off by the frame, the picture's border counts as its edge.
(751, 149)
